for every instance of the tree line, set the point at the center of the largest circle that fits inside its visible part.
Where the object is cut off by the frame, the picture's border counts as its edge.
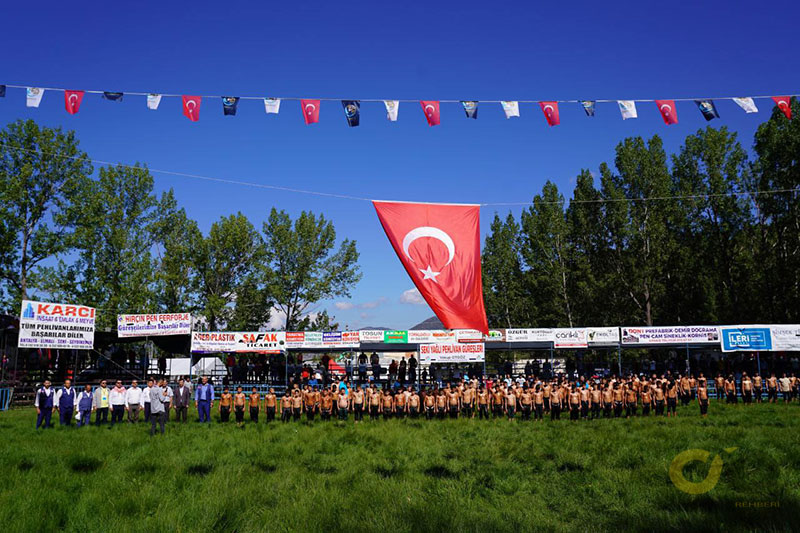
(107, 240)
(710, 235)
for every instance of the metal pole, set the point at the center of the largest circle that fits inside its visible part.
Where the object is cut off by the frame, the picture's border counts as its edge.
(758, 360)
(688, 364)
(619, 359)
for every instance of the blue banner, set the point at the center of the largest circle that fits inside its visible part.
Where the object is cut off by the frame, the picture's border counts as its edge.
(746, 339)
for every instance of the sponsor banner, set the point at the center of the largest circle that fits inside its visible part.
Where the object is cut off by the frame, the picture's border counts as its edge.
(154, 325)
(331, 338)
(420, 336)
(295, 339)
(570, 338)
(530, 335)
(496, 335)
(350, 339)
(745, 338)
(455, 352)
(443, 336)
(313, 339)
(468, 335)
(370, 335)
(271, 342)
(48, 325)
(671, 335)
(785, 337)
(395, 337)
(603, 336)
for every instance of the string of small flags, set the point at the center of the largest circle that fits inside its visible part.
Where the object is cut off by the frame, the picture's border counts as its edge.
(310, 108)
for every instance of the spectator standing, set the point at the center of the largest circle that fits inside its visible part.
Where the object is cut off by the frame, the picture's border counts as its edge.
(203, 398)
(85, 403)
(157, 413)
(101, 403)
(117, 400)
(181, 397)
(44, 404)
(65, 403)
(133, 401)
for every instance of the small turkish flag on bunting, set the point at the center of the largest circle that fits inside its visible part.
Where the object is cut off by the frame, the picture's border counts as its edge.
(550, 110)
(668, 111)
(440, 248)
(784, 103)
(310, 110)
(72, 101)
(191, 107)
(431, 110)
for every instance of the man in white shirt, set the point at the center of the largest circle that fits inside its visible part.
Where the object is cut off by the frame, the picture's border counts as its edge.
(117, 400)
(145, 402)
(168, 400)
(133, 401)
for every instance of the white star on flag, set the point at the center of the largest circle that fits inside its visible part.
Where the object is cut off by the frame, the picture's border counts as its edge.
(429, 273)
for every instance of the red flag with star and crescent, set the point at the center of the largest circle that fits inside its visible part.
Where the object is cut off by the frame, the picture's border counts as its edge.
(191, 107)
(550, 110)
(440, 248)
(72, 101)
(668, 112)
(784, 103)
(310, 111)
(431, 110)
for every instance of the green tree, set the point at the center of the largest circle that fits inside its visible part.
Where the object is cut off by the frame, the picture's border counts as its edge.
(502, 274)
(42, 171)
(231, 275)
(176, 276)
(305, 268)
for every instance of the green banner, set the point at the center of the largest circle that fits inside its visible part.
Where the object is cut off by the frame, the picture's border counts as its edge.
(398, 337)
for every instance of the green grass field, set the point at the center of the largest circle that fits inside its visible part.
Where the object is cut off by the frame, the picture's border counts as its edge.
(461, 475)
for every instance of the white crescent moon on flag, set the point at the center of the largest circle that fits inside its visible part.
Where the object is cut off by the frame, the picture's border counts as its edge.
(782, 103)
(190, 105)
(434, 233)
(548, 107)
(75, 96)
(667, 106)
(433, 110)
(312, 106)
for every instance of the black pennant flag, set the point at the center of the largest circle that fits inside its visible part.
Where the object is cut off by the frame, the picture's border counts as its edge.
(352, 112)
(707, 108)
(229, 104)
(114, 97)
(470, 108)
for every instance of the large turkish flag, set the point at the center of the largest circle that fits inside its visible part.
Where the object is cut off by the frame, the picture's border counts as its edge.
(440, 248)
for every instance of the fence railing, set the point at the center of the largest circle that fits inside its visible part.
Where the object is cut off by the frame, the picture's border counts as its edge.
(5, 398)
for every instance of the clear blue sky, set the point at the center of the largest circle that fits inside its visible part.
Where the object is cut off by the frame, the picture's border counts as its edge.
(425, 50)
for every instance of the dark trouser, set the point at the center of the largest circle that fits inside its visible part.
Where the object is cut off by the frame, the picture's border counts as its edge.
(181, 413)
(86, 415)
(526, 412)
(65, 415)
(387, 413)
(555, 412)
(358, 411)
(270, 414)
(659, 407)
(286, 414)
(511, 412)
(595, 410)
(731, 398)
(685, 397)
(325, 414)
(630, 410)
(45, 414)
(414, 412)
(757, 394)
(117, 414)
(772, 394)
(672, 403)
(454, 412)
(239, 413)
(166, 412)
(296, 412)
(607, 410)
(645, 409)
(374, 413)
(224, 414)
(747, 396)
(400, 411)
(703, 407)
(310, 413)
(538, 411)
(617, 409)
(342, 413)
(204, 410)
(466, 411)
(157, 419)
(429, 413)
(584, 409)
(483, 411)
(574, 411)
(254, 414)
(101, 413)
(146, 411)
(498, 411)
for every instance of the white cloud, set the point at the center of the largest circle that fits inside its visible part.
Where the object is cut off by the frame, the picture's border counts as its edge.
(412, 297)
(343, 306)
(346, 306)
(373, 304)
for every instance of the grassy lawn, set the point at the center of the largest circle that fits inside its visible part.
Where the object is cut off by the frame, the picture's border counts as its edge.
(403, 475)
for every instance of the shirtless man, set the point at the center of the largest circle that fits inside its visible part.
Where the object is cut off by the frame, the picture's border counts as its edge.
(692, 386)
(239, 400)
(430, 405)
(647, 399)
(730, 390)
(546, 395)
(254, 402)
(574, 403)
(758, 384)
(659, 396)
(685, 391)
(719, 384)
(387, 404)
(225, 402)
(608, 401)
(483, 403)
(468, 402)
(597, 401)
(453, 402)
(772, 389)
(270, 404)
(747, 389)
(619, 399)
(286, 408)
(526, 402)
(498, 398)
(400, 403)
(413, 403)
(538, 403)
(310, 403)
(555, 404)
(585, 395)
(297, 405)
(441, 405)
(326, 405)
(702, 398)
(510, 403)
(358, 404)
(374, 403)
(630, 401)
(672, 399)
(343, 403)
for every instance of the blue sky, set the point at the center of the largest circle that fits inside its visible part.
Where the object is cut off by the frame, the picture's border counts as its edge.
(352, 50)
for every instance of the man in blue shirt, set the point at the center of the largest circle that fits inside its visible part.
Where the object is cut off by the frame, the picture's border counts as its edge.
(203, 398)
(44, 404)
(65, 403)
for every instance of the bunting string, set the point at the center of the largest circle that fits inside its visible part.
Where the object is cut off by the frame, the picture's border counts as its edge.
(733, 194)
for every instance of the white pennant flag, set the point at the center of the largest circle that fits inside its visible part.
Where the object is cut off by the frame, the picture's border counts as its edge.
(34, 96)
(511, 109)
(627, 108)
(747, 104)
(272, 105)
(392, 107)
(153, 100)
